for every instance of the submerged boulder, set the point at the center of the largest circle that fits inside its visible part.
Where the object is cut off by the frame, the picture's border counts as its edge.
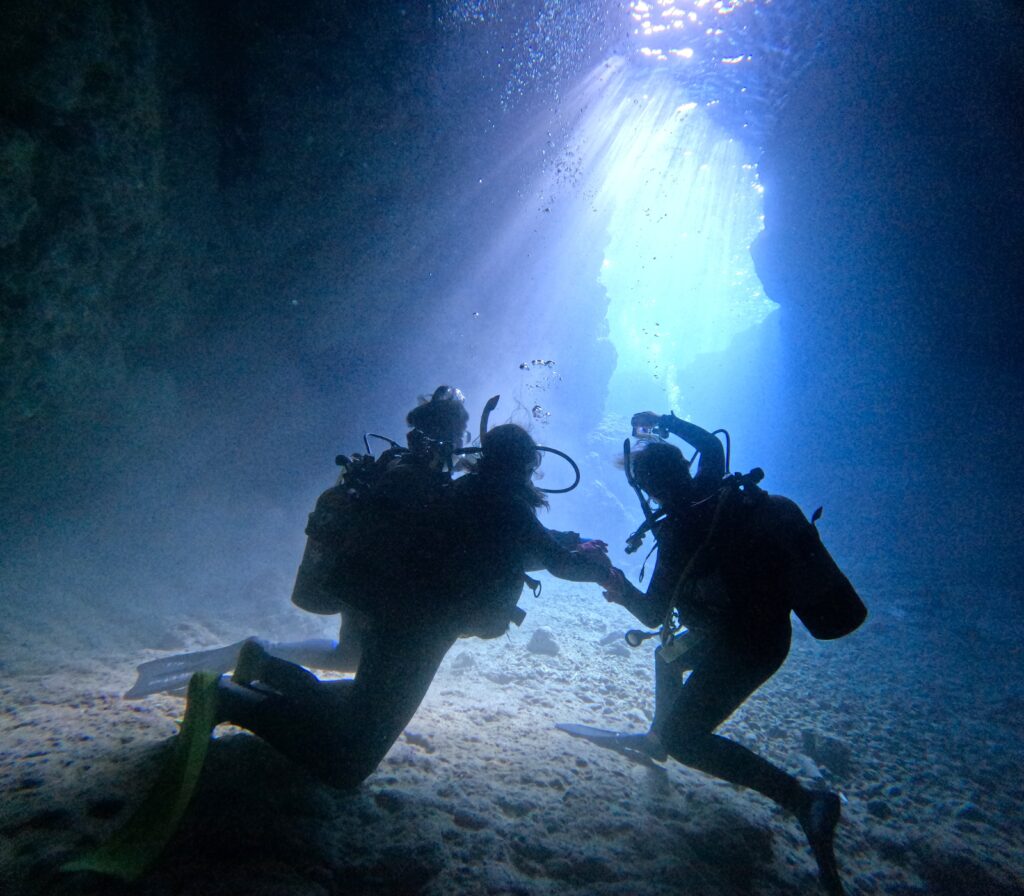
(543, 642)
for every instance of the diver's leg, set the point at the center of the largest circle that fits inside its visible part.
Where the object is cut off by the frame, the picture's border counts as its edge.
(726, 675)
(342, 655)
(355, 625)
(396, 670)
(668, 684)
(342, 733)
(291, 726)
(818, 817)
(171, 674)
(315, 653)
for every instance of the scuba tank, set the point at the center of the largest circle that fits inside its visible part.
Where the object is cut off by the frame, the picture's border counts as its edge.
(323, 571)
(820, 594)
(368, 533)
(346, 531)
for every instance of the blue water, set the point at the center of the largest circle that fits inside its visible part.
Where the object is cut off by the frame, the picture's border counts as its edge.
(235, 242)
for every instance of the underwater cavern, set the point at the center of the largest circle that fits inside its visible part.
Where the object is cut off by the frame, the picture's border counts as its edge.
(240, 238)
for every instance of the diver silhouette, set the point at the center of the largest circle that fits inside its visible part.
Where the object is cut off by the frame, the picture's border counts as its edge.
(464, 583)
(732, 563)
(437, 433)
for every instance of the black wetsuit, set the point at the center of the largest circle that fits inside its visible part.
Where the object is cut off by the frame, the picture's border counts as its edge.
(342, 730)
(497, 539)
(740, 613)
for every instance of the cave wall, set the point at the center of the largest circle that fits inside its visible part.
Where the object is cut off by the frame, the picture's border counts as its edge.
(180, 179)
(223, 230)
(893, 241)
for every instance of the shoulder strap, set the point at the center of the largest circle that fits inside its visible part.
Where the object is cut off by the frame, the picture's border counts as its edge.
(722, 497)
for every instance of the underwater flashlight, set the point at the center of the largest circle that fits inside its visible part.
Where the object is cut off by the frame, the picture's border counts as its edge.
(635, 637)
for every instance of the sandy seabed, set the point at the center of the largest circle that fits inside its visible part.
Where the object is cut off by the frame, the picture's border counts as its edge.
(917, 719)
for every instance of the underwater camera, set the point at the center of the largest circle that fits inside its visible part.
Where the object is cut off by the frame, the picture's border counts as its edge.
(655, 433)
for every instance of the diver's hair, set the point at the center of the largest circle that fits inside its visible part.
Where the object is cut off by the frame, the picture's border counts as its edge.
(507, 451)
(443, 420)
(660, 469)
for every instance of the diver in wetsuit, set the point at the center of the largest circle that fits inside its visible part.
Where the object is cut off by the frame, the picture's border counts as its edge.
(465, 581)
(726, 577)
(437, 431)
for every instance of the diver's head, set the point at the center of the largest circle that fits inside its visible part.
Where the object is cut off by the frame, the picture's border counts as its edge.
(509, 455)
(448, 393)
(442, 417)
(509, 450)
(662, 471)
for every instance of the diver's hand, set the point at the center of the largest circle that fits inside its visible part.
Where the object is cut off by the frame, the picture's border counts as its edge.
(593, 544)
(597, 558)
(614, 585)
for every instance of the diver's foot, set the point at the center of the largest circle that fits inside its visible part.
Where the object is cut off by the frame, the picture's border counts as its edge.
(257, 664)
(819, 818)
(251, 663)
(238, 704)
(650, 744)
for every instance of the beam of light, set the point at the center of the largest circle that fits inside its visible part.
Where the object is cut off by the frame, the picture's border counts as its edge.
(648, 205)
(682, 205)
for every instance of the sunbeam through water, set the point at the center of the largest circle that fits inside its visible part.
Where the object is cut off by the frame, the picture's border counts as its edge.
(683, 205)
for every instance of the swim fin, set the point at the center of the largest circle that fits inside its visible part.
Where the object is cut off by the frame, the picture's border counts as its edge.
(640, 747)
(171, 674)
(136, 845)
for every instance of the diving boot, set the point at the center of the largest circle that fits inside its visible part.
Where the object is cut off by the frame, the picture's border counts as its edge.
(257, 666)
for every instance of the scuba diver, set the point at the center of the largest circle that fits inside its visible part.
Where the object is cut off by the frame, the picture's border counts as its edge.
(459, 577)
(415, 475)
(436, 436)
(417, 560)
(732, 563)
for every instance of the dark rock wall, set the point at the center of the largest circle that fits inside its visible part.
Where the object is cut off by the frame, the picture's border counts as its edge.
(894, 242)
(224, 231)
(90, 257)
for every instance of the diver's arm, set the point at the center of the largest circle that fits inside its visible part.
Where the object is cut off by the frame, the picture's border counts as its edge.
(649, 608)
(627, 595)
(712, 454)
(571, 541)
(568, 540)
(544, 551)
